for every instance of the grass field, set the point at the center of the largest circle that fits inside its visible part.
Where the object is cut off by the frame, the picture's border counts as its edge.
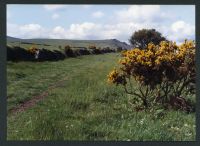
(84, 106)
(27, 46)
(53, 44)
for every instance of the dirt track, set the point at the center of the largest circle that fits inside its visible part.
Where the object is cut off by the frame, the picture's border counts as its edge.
(30, 103)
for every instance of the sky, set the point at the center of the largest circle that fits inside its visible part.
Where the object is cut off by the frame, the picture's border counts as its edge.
(94, 22)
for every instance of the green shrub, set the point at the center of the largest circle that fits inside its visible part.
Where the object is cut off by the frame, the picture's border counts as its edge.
(119, 49)
(69, 52)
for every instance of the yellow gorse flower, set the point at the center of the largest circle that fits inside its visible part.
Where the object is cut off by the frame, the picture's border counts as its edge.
(32, 49)
(165, 52)
(113, 76)
(152, 56)
(158, 68)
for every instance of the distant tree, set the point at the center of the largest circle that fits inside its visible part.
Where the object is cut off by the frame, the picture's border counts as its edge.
(141, 38)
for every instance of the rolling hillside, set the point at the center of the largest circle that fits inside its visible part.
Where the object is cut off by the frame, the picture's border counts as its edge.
(54, 43)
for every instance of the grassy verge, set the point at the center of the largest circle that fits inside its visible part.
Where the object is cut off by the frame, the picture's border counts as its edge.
(85, 107)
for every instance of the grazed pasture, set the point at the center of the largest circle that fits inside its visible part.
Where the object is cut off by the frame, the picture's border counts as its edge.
(84, 106)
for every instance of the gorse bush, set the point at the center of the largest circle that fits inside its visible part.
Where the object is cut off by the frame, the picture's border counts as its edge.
(92, 47)
(33, 49)
(164, 74)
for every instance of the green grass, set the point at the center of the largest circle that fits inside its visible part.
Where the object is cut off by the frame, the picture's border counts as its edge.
(40, 46)
(52, 44)
(85, 107)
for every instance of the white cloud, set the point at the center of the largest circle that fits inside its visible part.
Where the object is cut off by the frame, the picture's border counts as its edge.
(183, 27)
(51, 7)
(32, 30)
(83, 31)
(138, 13)
(98, 14)
(119, 24)
(75, 31)
(30, 27)
(58, 32)
(181, 30)
(102, 31)
(55, 16)
(151, 16)
(142, 14)
(178, 31)
(58, 29)
(26, 31)
(125, 23)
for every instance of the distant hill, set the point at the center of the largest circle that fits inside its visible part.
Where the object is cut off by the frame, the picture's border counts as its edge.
(12, 39)
(54, 43)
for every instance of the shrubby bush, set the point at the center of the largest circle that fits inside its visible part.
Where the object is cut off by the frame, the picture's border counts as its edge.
(95, 50)
(33, 49)
(80, 52)
(163, 74)
(50, 55)
(18, 54)
(119, 49)
(108, 50)
(36, 54)
(143, 37)
(69, 52)
(21, 54)
(92, 47)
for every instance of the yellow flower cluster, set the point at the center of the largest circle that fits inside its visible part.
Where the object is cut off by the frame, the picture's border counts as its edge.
(155, 55)
(113, 75)
(33, 49)
(116, 77)
(153, 60)
(136, 56)
(158, 68)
